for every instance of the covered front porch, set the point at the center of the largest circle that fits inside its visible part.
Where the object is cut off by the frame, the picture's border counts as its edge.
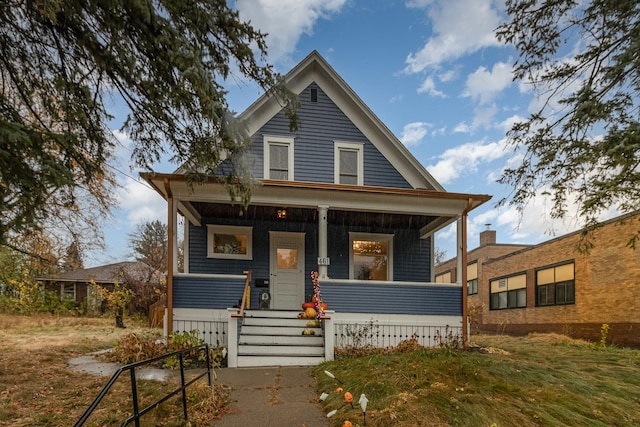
(371, 246)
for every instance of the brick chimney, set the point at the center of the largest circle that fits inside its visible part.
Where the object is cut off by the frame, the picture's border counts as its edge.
(488, 237)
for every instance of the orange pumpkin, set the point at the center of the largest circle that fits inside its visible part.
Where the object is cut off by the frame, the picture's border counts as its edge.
(339, 390)
(308, 305)
(347, 423)
(324, 306)
(348, 397)
(310, 312)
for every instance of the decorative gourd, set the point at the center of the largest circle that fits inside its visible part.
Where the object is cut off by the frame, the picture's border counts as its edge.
(310, 312)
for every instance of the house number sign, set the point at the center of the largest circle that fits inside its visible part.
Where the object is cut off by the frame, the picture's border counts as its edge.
(324, 261)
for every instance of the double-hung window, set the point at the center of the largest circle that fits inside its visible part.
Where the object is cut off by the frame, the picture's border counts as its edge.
(371, 256)
(348, 163)
(472, 278)
(508, 292)
(556, 285)
(278, 158)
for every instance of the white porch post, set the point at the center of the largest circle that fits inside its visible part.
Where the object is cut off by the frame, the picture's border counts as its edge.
(322, 240)
(232, 339)
(329, 341)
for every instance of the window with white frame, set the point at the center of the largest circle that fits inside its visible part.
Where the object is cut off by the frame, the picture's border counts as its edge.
(370, 256)
(348, 163)
(278, 158)
(228, 241)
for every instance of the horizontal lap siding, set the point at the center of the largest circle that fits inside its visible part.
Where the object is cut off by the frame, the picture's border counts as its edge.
(319, 125)
(393, 299)
(197, 292)
(411, 255)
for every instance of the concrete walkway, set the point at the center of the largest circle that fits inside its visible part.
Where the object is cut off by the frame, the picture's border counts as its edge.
(271, 397)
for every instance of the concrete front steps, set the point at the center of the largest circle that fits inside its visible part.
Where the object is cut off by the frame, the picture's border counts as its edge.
(274, 338)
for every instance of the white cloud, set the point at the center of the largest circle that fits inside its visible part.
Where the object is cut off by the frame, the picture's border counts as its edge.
(141, 203)
(483, 116)
(429, 86)
(465, 159)
(508, 123)
(462, 127)
(460, 27)
(413, 133)
(483, 86)
(285, 21)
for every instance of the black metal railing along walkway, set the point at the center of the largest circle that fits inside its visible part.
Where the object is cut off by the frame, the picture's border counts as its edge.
(137, 412)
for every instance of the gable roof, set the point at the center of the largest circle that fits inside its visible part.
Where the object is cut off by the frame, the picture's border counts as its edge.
(107, 273)
(314, 68)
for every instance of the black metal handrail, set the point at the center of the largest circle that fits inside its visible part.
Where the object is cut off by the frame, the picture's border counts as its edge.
(131, 367)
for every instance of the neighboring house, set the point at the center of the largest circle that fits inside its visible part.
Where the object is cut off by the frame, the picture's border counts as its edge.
(550, 287)
(341, 196)
(76, 286)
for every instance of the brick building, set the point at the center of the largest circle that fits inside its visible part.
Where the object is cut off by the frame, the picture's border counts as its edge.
(550, 287)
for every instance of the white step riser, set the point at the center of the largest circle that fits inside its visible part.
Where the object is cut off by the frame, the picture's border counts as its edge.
(278, 330)
(272, 321)
(252, 361)
(272, 313)
(282, 340)
(274, 350)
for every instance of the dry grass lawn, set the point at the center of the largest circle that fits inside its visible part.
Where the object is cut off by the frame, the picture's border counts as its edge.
(38, 389)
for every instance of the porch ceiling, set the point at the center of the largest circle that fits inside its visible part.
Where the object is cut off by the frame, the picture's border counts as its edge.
(253, 212)
(427, 210)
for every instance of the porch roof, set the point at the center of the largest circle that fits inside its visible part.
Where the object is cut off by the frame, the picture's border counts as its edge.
(436, 209)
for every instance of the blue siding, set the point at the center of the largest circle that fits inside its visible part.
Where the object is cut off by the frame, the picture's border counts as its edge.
(411, 259)
(393, 299)
(320, 124)
(411, 255)
(196, 292)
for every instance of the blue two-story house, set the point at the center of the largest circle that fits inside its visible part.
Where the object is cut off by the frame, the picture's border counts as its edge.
(341, 196)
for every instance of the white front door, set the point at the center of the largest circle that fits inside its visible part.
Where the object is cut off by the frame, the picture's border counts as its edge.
(287, 270)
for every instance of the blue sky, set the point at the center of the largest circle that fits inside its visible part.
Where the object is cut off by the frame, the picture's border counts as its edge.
(431, 70)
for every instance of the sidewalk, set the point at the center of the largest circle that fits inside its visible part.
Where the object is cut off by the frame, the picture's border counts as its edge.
(271, 397)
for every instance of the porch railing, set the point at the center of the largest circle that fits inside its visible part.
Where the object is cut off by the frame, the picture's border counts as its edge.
(245, 294)
(131, 368)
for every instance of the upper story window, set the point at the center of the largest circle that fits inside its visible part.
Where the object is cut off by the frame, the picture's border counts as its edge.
(371, 256)
(472, 278)
(556, 285)
(508, 292)
(348, 163)
(278, 158)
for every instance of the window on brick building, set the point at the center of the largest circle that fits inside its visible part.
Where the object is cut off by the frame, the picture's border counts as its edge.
(472, 278)
(508, 292)
(556, 285)
(444, 277)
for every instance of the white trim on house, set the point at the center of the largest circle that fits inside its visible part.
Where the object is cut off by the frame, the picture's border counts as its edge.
(229, 252)
(314, 68)
(338, 148)
(272, 140)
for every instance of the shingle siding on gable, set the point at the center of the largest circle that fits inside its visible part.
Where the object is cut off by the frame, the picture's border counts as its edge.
(320, 124)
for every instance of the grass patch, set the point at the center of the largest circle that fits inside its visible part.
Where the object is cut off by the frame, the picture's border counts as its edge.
(37, 388)
(540, 380)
